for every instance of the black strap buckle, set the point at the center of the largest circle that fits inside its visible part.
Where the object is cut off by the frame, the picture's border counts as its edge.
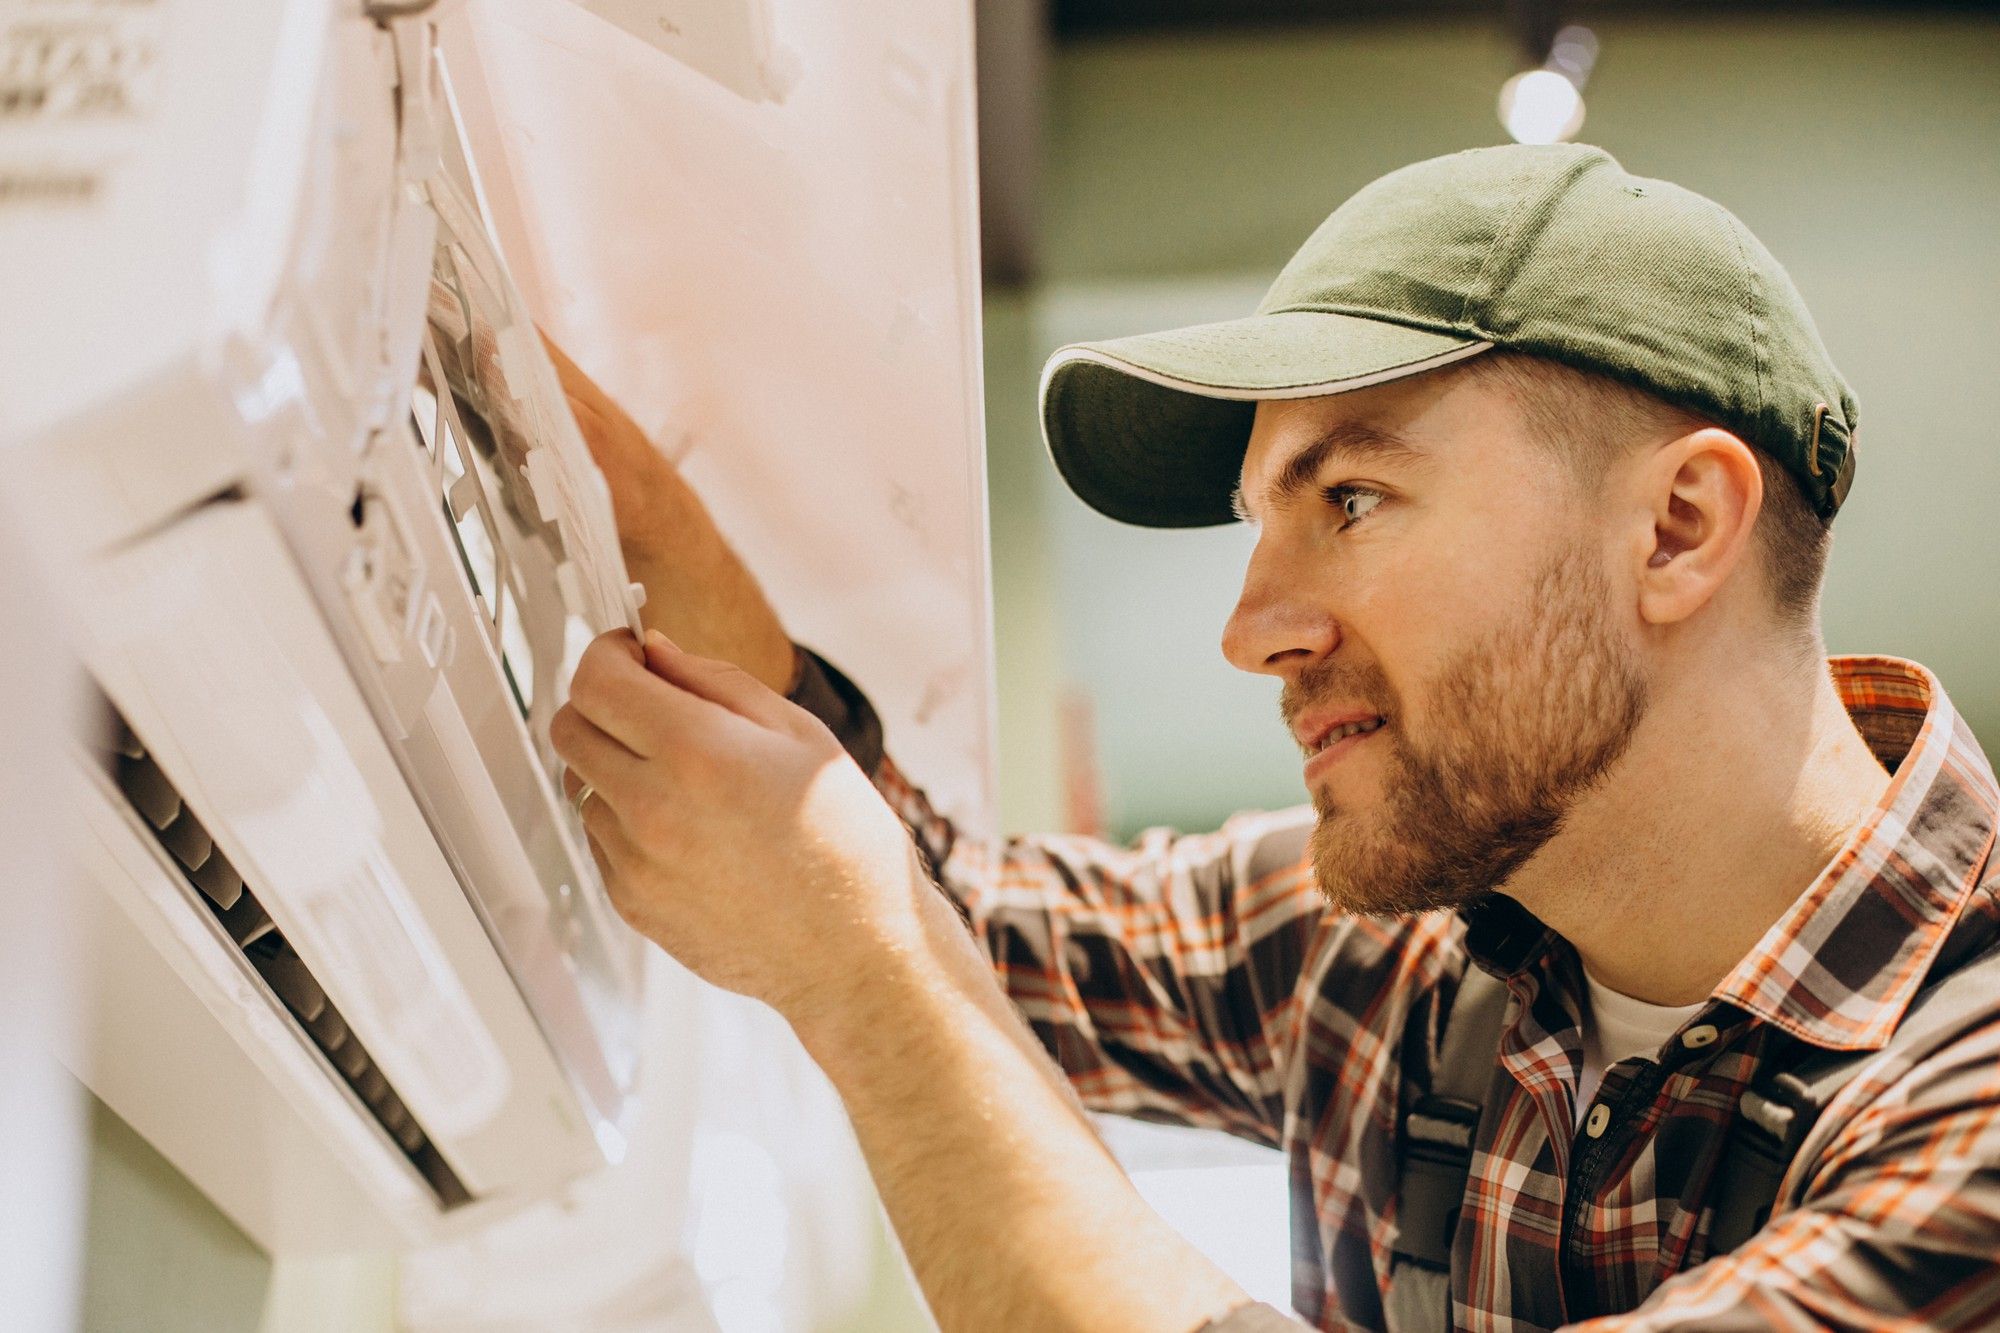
(1440, 1128)
(1437, 1157)
(1780, 1112)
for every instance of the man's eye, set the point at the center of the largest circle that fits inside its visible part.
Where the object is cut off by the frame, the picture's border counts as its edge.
(1354, 502)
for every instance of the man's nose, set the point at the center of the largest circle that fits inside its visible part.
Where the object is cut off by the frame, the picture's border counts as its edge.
(1277, 629)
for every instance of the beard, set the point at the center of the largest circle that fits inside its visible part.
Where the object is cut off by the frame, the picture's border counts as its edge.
(1519, 726)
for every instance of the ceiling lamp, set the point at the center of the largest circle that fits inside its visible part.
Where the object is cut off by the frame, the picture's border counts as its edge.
(1545, 105)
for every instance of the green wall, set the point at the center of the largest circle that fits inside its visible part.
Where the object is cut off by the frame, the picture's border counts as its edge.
(158, 1256)
(1183, 170)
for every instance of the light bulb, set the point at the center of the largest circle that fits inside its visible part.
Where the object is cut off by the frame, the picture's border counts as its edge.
(1540, 106)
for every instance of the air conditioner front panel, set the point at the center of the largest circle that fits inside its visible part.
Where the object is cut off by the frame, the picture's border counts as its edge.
(267, 566)
(207, 640)
(271, 1134)
(446, 685)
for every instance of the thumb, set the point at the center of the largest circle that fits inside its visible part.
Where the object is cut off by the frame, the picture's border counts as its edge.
(717, 681)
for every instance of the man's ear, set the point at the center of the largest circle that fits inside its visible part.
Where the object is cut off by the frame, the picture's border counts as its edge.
(1703, 492)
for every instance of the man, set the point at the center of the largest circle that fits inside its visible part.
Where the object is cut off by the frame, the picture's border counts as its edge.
(1541, 458)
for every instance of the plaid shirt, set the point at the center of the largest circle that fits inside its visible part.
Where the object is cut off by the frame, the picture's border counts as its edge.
(1203, 980)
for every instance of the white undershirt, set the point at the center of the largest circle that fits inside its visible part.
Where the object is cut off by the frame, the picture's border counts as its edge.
(1617, 1027)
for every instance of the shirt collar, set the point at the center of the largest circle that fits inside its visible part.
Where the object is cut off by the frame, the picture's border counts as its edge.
(1842, 964)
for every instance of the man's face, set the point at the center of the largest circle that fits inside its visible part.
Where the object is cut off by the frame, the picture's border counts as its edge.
(1434, 592)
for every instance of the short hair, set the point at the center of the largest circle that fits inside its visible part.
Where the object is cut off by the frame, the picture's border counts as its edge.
(1591, 418)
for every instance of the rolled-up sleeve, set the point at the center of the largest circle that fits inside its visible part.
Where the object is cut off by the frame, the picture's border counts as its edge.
(835, 700)
(1162, 976)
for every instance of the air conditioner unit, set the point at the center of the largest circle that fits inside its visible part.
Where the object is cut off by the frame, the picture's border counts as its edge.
(332, 546)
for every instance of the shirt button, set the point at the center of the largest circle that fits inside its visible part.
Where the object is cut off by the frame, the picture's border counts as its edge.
(1600, 1118)
(1698, 1036)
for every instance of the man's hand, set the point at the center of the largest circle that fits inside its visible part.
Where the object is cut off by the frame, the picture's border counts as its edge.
(698, 593)
(732, 828)
(734, 831)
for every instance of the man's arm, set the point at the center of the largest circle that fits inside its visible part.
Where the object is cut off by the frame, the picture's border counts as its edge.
(1161, 976)
(734, 831)
(1013, 1214)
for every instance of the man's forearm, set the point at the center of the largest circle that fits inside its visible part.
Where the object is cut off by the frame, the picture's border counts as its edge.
(1012, 1212)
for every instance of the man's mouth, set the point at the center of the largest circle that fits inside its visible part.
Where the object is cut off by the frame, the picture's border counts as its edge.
(1342, 732)
(1318, 734)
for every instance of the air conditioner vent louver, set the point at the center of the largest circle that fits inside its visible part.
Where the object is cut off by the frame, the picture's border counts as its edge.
(153, 796)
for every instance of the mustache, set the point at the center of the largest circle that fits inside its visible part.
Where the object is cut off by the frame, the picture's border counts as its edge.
(1348, 682)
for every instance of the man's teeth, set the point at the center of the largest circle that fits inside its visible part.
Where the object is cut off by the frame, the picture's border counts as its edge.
(1342, 732)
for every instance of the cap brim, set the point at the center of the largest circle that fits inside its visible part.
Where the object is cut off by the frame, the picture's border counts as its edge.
(1151, 429)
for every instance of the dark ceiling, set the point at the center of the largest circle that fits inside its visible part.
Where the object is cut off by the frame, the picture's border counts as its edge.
(1087, 18)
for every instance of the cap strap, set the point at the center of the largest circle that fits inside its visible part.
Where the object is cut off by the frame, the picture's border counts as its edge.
(1835, 492)
(1843, 477)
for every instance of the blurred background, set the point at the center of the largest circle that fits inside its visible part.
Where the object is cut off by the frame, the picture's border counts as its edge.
(1149, 164)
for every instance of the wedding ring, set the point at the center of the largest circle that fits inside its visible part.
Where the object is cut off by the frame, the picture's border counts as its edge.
(583, 793)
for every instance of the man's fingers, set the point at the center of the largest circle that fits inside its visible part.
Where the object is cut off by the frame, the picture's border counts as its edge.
(615, 691)
(611, 845)
(609, 842)
(604, 830)
(717, 682)
(612, 770)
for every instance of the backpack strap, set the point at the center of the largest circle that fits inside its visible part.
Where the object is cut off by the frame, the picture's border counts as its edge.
(1436, 1155)
(1778, 1112)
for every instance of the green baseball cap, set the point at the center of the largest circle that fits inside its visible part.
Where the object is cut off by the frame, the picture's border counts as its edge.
(1551, 250)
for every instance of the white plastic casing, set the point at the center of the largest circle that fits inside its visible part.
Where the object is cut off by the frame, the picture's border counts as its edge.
(213, 343)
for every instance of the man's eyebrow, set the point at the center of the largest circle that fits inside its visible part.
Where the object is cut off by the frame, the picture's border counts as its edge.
(1354, 440)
